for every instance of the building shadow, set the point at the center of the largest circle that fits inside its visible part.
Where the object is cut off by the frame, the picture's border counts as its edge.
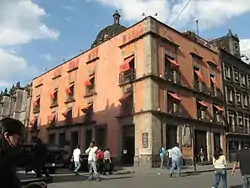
(236, 186)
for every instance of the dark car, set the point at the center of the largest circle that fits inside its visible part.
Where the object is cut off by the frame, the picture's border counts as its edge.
(54, 158)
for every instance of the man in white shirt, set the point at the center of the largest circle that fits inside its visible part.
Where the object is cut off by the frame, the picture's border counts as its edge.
(76, 158)
(91, 151)
(176, 156)
(169, 158)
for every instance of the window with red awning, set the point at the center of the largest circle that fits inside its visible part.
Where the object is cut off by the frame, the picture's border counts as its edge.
(126, 64)
(85, 109)
(173, 62)
(218, 108)
(175, 96)
(125, 97)
(200, 78)
(214, 82)
(65, 114)
(203, 104)
(90, 81)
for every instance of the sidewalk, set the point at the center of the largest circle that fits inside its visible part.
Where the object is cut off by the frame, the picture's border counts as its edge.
(185, 169)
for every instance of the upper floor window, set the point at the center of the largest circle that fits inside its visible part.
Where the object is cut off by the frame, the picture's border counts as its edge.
(231, 118)
(173, 102)
(227, 71)
(171, 69)
(240, 119)
(54, 97)
(243, 79)
(127, 70)
(245, 99)
(201, 110)
(236, 75)
(230, 95)
(238, 98)
(198, 79)
(70, 92)
(90, 85)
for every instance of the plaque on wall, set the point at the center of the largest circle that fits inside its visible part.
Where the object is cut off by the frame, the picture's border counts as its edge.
(144, 140)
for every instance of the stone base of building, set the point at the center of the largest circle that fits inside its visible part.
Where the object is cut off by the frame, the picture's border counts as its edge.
(143, 161)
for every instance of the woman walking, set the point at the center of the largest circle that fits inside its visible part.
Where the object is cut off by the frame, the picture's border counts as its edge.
(219, 161)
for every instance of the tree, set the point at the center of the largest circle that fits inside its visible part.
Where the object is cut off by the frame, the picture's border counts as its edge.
(5, 91)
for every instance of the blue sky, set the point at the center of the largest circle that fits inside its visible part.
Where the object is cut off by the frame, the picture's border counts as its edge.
(36, 35)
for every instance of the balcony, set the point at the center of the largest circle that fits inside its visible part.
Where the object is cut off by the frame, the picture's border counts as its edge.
(70, 99)
(172, 76)
(90, 90)
(36, 109)
(238, 130)
(127, 77)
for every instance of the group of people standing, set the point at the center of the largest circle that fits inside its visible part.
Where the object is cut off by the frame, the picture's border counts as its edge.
(99, 161)
(173, 158)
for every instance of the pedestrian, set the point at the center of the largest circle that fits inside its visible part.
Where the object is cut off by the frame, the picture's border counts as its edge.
(100, 161)
(91, 151)
(107, 161)
(40, 158)
(162, 156)
(243, 157)
(169, 159)
(176, 156)
(11, 133)
(76, 157)
(220, 163)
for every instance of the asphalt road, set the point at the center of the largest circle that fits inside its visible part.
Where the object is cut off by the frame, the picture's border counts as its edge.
(203, 180)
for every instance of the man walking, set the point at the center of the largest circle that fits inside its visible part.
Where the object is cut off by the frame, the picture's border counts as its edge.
(76, 158)
(176, 156)
(243, 157)
(91, 151)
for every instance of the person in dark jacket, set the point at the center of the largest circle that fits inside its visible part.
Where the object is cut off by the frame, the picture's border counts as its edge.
(10, 133)
(40, 156)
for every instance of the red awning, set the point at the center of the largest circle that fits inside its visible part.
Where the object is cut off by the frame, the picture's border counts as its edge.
(89, 81)
(199, 75)
(203, 103)
(84, 110)
(65, 113)
(174, 96)
(173, 62)
(126, 66)
(51, 117)
(52, 95)
(35, 103)
(218, 108)
(125, 96)
(68, 90)
(214, 82)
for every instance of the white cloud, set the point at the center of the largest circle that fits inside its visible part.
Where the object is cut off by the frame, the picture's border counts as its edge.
(245, 49)
(211, 13)
(47, 57)
(21, 22)
(14, 67)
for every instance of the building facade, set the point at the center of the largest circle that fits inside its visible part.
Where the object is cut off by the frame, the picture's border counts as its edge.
(15, 103)
(236, 78)
(136, 89)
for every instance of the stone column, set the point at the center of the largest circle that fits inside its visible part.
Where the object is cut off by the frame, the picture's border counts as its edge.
(210, 145)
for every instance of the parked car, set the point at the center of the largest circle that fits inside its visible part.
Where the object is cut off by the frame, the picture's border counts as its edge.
(54, 157)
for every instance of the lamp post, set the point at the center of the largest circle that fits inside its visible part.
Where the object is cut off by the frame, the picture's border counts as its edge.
(193, 151)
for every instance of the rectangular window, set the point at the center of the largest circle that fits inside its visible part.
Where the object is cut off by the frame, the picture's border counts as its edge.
(71, 91)
(236, 75)
(227, 71)
(240, 119)
(54, 99)
(238, 98)
(245, 100)
(229, 94)
(246, 121)
(201, 110)
(231, 119)
(173, 103)
(243, 79)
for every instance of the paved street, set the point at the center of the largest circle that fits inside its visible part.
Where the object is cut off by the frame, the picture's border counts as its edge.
(201, 180)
